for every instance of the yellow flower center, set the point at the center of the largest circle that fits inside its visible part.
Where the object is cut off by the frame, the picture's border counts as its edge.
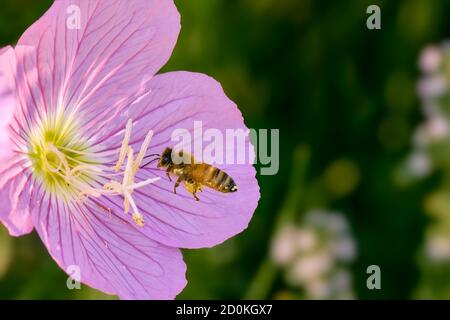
(70, 168)
(56, 154)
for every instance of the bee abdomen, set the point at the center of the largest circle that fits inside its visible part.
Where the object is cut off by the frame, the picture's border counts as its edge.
(220, 180)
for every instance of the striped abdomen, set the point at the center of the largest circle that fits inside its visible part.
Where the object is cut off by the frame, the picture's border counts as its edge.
(214, 178)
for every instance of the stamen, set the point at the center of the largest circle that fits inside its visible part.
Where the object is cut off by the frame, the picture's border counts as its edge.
(132, 166)
(143, 150)
(138, 219)
(128, 178)
(143, 183)
(137, 216)
(78, 170)
(124, 148)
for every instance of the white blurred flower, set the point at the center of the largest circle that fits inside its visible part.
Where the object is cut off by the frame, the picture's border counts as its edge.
(341, 281)
(437, 127)
(313, 252)
(284, 245)
(438, 248)
(419, 164)
(306, 239)
(318, 289)
(434, 129)
(430, 59)
(312, 266)
(432, 86)
(433, 89)
(341, 285)
(344, 249)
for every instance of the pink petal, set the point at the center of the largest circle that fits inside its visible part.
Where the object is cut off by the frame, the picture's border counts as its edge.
(15, 197)
(96, 69)
(7, 99)
(14, 189)
(176, 100)
(110, 254)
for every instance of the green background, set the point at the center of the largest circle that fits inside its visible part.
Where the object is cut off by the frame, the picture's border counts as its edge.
(338, 92)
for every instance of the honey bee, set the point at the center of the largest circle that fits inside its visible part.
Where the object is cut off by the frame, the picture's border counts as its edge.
(194, 175)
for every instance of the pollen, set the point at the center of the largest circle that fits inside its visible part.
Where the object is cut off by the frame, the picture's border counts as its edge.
(70, 168)
(59, 156)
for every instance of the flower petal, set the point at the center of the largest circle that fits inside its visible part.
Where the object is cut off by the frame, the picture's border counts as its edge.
(175, 101)
(89, 57)
(14, 195)
(7, 99)
(109, 253)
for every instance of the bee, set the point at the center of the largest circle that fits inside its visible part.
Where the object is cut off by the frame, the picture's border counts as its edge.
(195, 176)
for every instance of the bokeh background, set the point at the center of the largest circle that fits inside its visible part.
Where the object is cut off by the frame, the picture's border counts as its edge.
(364, 150)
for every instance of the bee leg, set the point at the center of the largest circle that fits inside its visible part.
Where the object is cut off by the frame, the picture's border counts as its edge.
(193, 188)
(177, 184)
(195, 196)
(199, 188)
(169, 168)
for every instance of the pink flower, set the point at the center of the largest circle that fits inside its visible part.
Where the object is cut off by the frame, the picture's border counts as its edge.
(7, 62)
(88, 107)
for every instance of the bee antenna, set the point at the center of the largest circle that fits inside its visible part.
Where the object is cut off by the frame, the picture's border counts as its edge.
(151, 161)
(152, 155)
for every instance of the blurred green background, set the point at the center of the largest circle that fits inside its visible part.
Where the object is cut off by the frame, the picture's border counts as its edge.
(346, 103)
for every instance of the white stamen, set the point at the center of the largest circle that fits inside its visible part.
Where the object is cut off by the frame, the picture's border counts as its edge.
(127, 196)
(78, 175)
(124, 147)
(142, 183)
(128, 178)
(143, 150)
(137, 216)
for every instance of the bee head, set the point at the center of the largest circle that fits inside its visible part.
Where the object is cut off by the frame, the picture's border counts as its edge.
(166, 158)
